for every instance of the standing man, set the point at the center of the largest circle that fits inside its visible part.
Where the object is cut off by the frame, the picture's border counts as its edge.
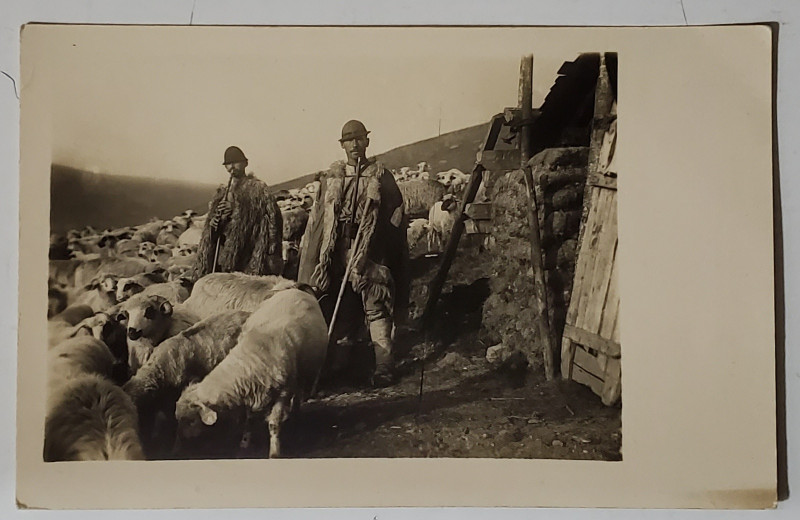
(372, 211)
(246, 224)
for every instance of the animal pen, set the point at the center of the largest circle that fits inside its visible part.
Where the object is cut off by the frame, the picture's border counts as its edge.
(559, 161)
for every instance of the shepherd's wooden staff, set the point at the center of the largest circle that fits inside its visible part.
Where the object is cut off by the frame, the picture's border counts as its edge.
(353, 247)
(219, 228)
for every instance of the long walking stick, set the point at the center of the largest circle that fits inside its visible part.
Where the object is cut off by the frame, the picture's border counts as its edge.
(219, 230)
(353, 245)
(348, 269)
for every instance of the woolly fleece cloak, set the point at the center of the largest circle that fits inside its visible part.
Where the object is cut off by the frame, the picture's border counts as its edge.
(381, 258)
(254, 224)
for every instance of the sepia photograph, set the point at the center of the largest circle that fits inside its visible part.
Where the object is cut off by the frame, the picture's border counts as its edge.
(279, 251)
(243, 289)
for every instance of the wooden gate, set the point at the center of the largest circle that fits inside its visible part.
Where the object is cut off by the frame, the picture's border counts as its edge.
(590, 348)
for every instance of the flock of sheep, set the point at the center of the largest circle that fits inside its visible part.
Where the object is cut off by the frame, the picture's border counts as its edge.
(144, 360)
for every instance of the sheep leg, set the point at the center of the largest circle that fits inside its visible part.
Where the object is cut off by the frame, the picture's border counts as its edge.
(278, 414)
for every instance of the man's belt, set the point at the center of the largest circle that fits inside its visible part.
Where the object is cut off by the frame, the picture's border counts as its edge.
(347, 229)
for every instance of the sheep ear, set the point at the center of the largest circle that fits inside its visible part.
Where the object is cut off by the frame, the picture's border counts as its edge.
(82, 331)
(166, 308)
(207, 415)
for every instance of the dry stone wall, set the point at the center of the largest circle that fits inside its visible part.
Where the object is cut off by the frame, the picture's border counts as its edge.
(508, 314)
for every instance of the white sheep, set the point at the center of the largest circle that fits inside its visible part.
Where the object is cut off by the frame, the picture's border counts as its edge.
(277, 358)
(149, 320)
(161, 254)
(441, 219)
(417, 229)
(174, 291)
(62, 326)
(184, 249)
(127, 287)
(127, 248)
(420, 195)
(88, 271)
(104, 327)
(88, 417)
(294, 222)
(92, 419)
(145, 248)
(219, 292)
(99, 294)
(169, 233)
(182, 359)
(187, 356)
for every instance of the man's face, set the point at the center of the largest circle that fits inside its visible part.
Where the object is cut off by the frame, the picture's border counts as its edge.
(355, 149)
(236, 169)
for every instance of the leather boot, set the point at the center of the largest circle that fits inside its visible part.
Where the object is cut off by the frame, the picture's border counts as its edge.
(380, 332)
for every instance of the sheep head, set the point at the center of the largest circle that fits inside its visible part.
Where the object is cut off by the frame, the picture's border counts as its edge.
(193, 414)
(147, 320)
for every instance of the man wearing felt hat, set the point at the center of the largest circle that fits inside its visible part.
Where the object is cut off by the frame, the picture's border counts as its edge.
(244, 219)
(359, 219)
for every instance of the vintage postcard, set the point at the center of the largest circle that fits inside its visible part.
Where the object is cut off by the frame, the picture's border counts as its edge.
(405, 266)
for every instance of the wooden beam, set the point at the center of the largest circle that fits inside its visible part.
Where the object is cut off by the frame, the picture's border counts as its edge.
(539, 287)
(602, 181)
(492, 133)
(603, 345)
(452, 245)
(500, 160)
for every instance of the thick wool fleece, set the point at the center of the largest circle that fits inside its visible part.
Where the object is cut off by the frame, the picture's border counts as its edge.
(91, 419)
(254, 225)
(381, 257)
(280, 351)
(190, 355)
(218, 292)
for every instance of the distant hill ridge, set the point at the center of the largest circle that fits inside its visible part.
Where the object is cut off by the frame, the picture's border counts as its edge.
(451, 150)
(80, 198)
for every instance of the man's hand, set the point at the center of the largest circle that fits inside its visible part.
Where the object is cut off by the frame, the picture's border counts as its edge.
(223, 210)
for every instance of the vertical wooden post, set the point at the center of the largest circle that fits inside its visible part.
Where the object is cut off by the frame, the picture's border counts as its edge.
(540, 289)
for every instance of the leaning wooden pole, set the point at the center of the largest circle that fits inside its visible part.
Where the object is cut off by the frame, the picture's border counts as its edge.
(540, 289)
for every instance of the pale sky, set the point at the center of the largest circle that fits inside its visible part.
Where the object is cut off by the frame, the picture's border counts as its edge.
(166, 102)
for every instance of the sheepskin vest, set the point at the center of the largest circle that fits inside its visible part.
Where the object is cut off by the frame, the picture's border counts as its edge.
(255, 224)
(377, 258)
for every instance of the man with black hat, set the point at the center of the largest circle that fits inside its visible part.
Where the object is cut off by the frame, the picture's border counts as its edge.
(359, 219)
(244, 227)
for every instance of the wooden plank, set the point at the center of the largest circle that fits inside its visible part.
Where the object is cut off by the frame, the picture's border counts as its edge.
(567, 356)
(611, 307)
(592, 340)
(479, 210)
(602, 181)
(604, 248)
(587, 361)
(581, 267)
(500, 160)
(579, 375)
(595, 257)
(606, 256)
(612, 383)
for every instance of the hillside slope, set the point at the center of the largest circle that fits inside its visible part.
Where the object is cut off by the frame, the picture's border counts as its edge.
(451, 150)
(79, 198)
